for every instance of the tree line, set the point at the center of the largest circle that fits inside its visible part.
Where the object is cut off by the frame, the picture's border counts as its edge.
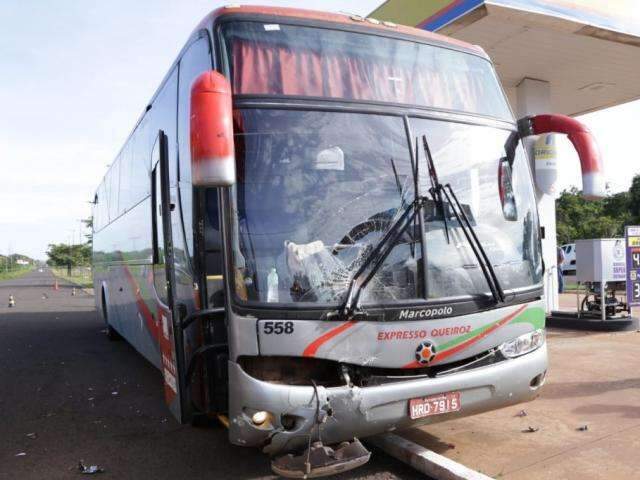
(65, 255)
(577, 218)
(15, 260)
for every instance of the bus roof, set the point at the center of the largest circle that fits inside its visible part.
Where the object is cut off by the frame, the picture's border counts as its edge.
(344, 19)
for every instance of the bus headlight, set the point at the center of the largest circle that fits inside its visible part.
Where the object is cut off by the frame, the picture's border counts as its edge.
(523, 344)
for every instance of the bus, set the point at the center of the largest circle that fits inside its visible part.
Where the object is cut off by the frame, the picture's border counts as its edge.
(324, 227)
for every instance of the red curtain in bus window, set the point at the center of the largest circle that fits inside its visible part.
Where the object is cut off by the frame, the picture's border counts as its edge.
(279, 70)
(261, 68)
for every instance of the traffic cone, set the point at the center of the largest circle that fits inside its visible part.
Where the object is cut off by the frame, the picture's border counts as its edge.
(12, 301)
(55, 285)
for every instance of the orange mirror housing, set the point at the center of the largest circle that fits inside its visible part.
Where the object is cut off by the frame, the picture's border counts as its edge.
(211, 121)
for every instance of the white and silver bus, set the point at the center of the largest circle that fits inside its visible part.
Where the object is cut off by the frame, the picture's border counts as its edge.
(324, 227)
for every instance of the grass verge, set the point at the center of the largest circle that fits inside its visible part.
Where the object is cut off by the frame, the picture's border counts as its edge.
(80, 276)
(15, 273)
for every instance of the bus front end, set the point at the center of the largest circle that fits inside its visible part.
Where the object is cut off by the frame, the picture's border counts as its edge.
(383, 262)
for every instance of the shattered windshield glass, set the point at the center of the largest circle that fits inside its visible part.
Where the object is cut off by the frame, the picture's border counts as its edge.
(316, 192)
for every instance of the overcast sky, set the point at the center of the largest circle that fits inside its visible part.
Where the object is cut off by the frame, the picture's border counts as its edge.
(75, 77)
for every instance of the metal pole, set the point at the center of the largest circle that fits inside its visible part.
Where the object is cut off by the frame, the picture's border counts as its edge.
(80, 231)
(578, 300)
(603, 300)
(69, 260)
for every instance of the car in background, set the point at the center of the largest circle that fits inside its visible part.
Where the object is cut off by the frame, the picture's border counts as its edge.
(569, 264)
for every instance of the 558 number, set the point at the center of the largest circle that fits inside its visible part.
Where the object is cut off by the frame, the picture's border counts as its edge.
(277, 328)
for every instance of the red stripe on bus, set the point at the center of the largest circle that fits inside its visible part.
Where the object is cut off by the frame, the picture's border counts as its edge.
(458, 348)
(313, 347)
(142, 306)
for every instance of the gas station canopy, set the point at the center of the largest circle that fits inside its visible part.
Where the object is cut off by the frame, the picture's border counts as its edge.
(588, 50)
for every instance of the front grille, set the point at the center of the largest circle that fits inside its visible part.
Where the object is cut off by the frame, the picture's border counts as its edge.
(305, 371)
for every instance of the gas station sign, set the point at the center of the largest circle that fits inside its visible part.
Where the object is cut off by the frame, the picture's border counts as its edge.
(632, 242)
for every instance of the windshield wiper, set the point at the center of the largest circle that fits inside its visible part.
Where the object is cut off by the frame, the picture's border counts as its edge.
(376, 257)
(435, 190)
(372, 262)
(438, 190)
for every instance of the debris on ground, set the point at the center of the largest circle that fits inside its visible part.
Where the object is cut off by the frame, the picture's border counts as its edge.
(12, 301)
(450, 446)
(114, 393)
(531, 430)
(583, 428)
(320, 460)
(32, 435)
(521, 413)
(21, 454)
(90, 469)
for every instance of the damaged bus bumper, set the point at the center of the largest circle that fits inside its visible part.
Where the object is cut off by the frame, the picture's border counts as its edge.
(348, 412)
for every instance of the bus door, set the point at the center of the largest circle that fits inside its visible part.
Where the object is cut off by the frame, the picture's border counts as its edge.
(168, 333)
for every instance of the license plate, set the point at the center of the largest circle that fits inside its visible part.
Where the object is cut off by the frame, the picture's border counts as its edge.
(434, 405)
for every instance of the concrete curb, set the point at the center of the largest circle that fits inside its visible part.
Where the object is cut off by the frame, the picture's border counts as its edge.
(423, 460)
(570, 320)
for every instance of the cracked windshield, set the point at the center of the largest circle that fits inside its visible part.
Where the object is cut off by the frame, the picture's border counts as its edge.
(317, 191)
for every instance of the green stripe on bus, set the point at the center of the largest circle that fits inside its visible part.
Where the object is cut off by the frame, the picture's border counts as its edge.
(535, 316)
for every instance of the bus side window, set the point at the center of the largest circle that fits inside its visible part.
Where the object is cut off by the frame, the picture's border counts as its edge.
(213, 249)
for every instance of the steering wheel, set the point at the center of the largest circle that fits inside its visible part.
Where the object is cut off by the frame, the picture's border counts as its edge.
(380, 222)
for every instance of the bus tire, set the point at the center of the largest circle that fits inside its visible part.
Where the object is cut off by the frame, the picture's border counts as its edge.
(111, 333)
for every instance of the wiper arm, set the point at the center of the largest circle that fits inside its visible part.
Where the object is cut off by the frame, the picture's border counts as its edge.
(437, 190)
(478, 250)
(376, 257)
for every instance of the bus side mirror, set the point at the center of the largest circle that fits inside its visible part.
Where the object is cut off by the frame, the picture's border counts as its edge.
(593, 181)
(211, 121)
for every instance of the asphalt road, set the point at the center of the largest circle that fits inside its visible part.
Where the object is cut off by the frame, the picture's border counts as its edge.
(68, 394)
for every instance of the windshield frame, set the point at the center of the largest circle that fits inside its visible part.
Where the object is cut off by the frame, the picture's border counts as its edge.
(463, 304)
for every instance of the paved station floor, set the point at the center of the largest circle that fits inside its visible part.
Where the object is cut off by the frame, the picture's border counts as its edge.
(593, 381)
(68, 394)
